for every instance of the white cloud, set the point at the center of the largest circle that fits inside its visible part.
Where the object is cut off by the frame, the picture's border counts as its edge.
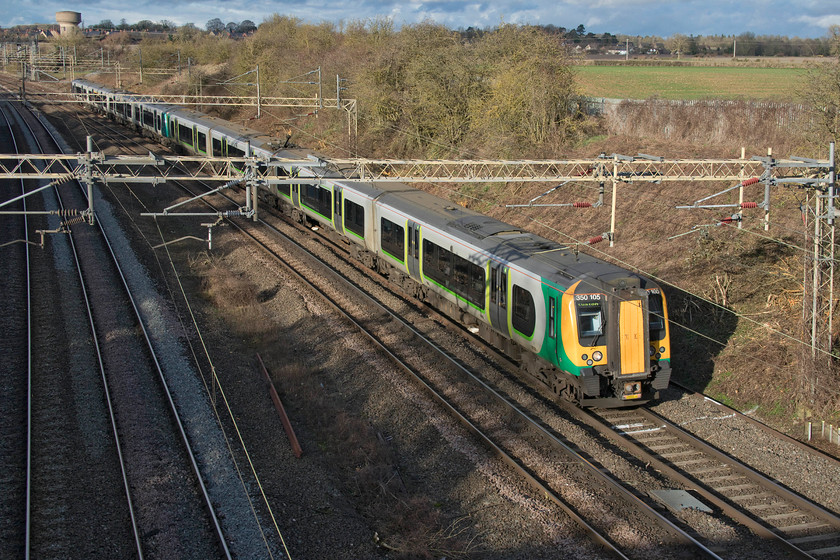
(809, 18)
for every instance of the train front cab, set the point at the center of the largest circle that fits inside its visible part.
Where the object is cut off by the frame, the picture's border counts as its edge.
(616, 342)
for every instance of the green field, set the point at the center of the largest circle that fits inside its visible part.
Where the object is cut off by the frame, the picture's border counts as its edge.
(643, 82)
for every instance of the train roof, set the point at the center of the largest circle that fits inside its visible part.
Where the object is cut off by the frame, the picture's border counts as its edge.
(549, 259)
(258, 140)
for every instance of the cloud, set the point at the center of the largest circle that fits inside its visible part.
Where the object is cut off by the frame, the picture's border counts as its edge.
(808, 18)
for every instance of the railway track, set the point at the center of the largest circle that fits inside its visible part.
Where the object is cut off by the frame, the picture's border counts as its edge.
(15, 347)
(46, 491)
(478, 407)
(381, 324)
(808, 543)
(102, 420)
(802, 527)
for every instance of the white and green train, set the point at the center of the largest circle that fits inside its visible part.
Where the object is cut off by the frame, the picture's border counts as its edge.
(593, 332)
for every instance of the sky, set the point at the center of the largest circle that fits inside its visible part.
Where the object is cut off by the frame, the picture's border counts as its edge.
(663, 18)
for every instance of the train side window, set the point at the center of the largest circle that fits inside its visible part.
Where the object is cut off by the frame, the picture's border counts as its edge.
(393, 239)
(436, 263)
(217, 146)
(184, 134)
(498, 287)
(524, 312)
(317, 199)
(354, 217)
(201, 143)
(494, 286)
(455, 273)
(285, 190)
(478, 285)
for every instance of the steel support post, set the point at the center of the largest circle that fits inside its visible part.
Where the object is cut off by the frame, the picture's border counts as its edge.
(614, 197)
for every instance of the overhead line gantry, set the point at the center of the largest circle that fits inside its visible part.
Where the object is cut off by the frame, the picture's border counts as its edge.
(760, 175)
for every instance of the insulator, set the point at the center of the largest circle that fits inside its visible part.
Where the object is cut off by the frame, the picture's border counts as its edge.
(749, 205)
(582, 205)
(727, 220)
(66, 212)
(596, 239)
(749, 182)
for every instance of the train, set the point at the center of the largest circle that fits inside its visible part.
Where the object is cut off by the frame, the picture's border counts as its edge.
(592, 332)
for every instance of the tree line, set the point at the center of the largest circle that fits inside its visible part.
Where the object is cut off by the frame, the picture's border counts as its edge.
(745, 44)
(422, 89)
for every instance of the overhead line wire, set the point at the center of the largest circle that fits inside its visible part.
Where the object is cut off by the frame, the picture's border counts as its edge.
(700, 297)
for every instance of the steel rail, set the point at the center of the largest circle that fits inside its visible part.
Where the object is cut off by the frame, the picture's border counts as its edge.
(123, 139)
(738, 513)
(28, 505)
(418, 377)
(760, 425)
(100, 361)
(544, 490)
(141, 323)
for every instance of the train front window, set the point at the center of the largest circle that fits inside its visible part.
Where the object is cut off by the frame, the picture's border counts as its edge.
(590, 321)
(656, 316)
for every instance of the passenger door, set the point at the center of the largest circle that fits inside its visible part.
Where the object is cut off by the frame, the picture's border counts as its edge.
(338, 209)
(498, 297)
(413, 252)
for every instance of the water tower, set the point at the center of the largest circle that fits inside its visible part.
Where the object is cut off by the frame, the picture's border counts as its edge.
(68, 22)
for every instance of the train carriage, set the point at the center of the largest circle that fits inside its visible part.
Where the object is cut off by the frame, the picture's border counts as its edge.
(593, 332)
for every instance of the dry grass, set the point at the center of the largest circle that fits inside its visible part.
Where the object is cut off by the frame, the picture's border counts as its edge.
(236, 296)
(710, 123)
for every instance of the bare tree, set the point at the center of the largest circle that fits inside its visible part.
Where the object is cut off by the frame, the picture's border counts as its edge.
(677, 43)
(821, 91)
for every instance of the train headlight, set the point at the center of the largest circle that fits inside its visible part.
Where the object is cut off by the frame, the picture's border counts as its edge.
(652, 351)
(661, 349)
(597, 356)
(589, 362)
(584, 357)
